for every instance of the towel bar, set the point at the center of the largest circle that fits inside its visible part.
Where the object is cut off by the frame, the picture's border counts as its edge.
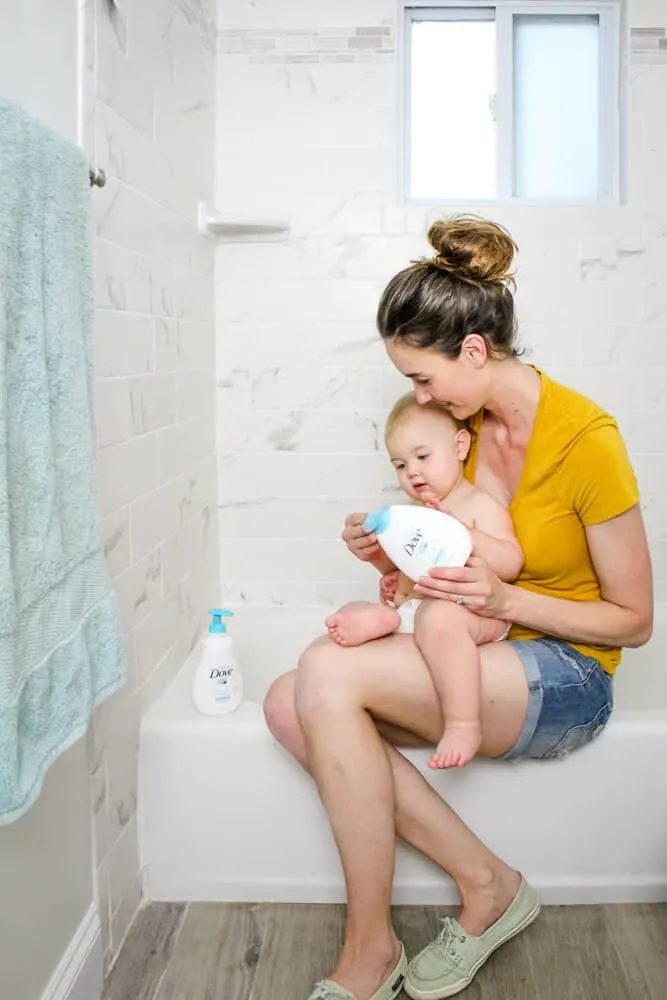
(97, 177)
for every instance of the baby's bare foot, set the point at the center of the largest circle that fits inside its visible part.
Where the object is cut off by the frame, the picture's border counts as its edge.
(459, 744)
(357, 623)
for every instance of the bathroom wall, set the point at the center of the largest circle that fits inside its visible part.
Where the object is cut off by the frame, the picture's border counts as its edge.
(142, 106)
(46, 872)
(38, 60)
(307, 129)
(150, 123)
(47, 879)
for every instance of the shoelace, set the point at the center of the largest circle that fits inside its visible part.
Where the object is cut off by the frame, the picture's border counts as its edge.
(324, 991)
(446, 943)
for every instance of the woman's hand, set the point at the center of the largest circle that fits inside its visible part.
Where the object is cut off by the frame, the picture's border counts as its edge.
(388, 585)
(474, 586)
(361, 544)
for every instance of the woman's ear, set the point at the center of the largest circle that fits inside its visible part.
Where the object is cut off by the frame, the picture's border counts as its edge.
(475, 350)
(463, 441)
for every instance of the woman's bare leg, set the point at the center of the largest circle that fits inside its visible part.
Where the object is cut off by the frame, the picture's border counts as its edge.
(365, 785)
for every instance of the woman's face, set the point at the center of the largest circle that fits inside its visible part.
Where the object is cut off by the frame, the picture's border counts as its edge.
(460, 384)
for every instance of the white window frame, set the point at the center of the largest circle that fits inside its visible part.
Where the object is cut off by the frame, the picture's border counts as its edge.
(612, 90)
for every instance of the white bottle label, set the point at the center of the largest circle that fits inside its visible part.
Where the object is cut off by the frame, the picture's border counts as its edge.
(416, 539)
(411, 547)
(222, 678)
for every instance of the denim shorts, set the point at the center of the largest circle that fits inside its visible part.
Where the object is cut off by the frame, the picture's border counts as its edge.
(570, 699)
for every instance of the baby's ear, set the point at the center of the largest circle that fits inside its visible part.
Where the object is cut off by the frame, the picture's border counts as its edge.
(463, 442)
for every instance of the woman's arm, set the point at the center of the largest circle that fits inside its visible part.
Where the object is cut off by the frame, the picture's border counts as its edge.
(623, 617)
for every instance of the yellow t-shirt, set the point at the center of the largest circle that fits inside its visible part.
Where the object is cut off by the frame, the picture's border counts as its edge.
(576, 473)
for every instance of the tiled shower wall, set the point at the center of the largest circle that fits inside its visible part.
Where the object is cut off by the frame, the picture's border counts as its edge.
(149, 88)
(308, 130)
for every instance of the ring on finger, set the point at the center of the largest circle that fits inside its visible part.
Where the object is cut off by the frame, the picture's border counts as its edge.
(459, 599)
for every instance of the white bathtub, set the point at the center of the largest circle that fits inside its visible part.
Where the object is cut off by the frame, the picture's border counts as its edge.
(225, 814)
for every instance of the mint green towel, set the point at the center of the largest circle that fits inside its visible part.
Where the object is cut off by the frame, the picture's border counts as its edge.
(60, 648)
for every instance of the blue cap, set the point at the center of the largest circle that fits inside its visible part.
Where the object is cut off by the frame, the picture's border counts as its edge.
(378, 521)
(217, 626)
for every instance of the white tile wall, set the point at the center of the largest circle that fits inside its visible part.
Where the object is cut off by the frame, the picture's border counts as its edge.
(149, 122)
(307, 130)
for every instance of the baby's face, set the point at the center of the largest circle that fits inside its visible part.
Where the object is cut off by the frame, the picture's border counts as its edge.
(427, 450)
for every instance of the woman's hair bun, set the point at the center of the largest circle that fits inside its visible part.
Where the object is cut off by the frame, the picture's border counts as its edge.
(472, 249)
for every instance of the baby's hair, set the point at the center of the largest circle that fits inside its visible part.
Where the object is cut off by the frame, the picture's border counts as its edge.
(408, 403)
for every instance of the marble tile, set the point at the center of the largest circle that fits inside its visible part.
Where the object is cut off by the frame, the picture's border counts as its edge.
(124, 343)
(139, 589)
(112, 22)
(191, 545)
(121, 281)
(104, 908)
(113, 411)
(155, 681)
(195, 395)
(88, 26)
(116, 541)
(194, 295)
(102, 828)
(151, 78)
(306, 387)
(326, 432)
(184, 347)
(157, 515)
(126, 472)
(289, 559)
(152, 402)
(283, 342)
(179, 449)
(122, 86)
(326, 595)
(124, 870)
(246, 476)
(156, 635)
(290, 517)
(129, 154)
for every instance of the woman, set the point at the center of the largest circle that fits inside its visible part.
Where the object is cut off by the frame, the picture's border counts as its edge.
(559, 463)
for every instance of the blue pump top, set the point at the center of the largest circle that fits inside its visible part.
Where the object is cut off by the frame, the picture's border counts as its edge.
(377, 521)
(217, 626)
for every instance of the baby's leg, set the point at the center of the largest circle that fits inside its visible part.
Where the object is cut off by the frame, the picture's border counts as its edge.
(448, 636)
(360, 622)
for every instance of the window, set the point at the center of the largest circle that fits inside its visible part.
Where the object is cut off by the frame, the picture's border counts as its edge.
(512, 100)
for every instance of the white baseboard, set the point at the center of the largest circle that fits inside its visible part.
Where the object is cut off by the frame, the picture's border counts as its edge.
(79, 974)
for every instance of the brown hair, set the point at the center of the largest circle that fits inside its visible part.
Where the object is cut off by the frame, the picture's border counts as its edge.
(466, 288)
(406, 404)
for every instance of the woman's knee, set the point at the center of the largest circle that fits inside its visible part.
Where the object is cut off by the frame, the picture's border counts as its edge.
(280, 711)
(322, 679)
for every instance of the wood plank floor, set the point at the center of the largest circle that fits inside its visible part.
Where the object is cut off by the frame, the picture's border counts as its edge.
(241, 951)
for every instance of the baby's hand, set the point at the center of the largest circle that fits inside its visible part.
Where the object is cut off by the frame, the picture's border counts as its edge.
(388, 585)
(438, 505)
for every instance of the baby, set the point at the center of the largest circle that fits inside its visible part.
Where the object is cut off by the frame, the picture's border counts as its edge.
(428, 447)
